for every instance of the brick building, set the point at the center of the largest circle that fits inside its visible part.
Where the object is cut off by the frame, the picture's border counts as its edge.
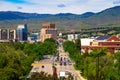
(110, 42)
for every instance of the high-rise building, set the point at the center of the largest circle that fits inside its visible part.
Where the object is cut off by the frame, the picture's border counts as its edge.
(12, 34)
(22, 32)
(4, 34)
(7, 34)
(48, 31)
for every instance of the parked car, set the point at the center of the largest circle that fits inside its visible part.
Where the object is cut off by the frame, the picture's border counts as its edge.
(64, 63)
(69, 62)
(61, 63)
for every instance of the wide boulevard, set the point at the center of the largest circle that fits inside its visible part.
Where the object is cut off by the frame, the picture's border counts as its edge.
(61, 62)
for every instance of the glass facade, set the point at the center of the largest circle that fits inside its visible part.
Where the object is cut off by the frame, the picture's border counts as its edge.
(22, 33)
(34, 36)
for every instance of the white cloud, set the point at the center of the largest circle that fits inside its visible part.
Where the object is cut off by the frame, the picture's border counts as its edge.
(51, 6)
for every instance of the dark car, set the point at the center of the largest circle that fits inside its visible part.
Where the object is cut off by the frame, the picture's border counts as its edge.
(61, 63)
(27, 78)
(64, 63)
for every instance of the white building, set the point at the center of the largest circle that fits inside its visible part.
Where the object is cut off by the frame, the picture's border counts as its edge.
(72, 37)
(85, 42)
(60, 34)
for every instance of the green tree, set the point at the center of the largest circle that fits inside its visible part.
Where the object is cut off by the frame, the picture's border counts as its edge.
(78, 44)
(43, 76)
(3, 60)
(50, 40)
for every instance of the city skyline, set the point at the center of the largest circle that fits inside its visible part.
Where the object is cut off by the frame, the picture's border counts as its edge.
(57, 6)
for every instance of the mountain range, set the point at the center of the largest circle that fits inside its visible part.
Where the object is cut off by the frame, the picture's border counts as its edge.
(107, 17)
(12, 15)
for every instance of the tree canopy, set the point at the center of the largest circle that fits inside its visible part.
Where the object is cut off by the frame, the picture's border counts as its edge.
(97, 65)
(16, 58)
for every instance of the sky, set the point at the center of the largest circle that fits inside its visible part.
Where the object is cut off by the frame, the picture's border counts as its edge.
(57, 6)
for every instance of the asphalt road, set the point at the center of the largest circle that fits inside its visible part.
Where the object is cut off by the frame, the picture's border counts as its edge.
(63, 64)
(69, 65)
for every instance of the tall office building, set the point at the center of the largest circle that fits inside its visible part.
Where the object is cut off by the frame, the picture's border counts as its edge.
(22, 32)
(7, 34)
(4, 34)
(48, 31)
(12, 34)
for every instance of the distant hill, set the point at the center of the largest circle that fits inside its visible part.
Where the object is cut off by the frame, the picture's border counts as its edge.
(87, 15)
(109, 13)
(108, 17)
(12, 15)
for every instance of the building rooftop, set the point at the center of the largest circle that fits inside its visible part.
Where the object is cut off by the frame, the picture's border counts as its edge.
(22, 26)
(103, 37)
(48, 25)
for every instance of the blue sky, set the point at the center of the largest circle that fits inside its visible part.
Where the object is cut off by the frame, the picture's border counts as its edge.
(57, 6)
(16, 1)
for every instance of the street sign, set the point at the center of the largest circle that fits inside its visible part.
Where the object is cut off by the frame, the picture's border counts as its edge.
(62, 73)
